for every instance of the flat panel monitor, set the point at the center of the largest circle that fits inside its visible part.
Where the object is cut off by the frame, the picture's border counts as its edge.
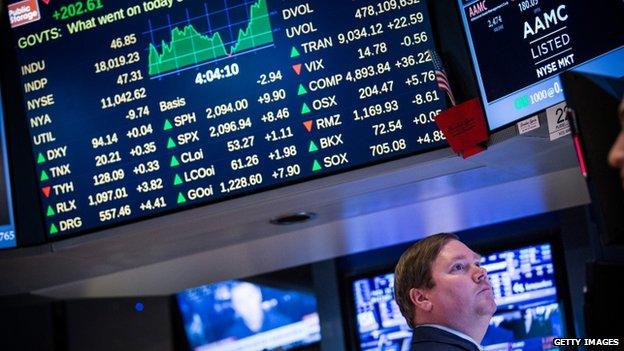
(238, 315)
(380, 325)
(8, 237)
(530, 313)
(528, 317)
(138, 108)
(519, 48)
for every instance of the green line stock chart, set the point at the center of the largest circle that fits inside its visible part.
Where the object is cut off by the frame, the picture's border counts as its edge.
(183, 46)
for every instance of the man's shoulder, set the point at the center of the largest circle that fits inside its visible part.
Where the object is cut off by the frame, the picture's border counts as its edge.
(435, 339)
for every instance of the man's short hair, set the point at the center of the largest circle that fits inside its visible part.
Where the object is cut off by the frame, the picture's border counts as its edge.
(414, 271)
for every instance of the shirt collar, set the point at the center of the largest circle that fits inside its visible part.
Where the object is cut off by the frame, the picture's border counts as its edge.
(453, 331)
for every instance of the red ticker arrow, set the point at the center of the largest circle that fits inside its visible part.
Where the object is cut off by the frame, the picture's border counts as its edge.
(297, 68)
(46, 191)
(308, 125)
(47, 2)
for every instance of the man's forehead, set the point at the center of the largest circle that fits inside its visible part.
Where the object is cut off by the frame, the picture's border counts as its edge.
(456, 250)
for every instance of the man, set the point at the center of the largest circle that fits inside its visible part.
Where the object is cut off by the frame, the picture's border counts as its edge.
(616, 155)
(251, 317)
(444, 294)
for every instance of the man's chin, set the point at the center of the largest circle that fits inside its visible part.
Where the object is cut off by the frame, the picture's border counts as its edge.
(488, 307)
(492, 308)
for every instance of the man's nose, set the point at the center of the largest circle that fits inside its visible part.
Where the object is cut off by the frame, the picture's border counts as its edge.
(616, 154)
(480, 274)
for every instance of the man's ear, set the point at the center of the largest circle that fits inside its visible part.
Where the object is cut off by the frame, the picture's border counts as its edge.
(420, 299)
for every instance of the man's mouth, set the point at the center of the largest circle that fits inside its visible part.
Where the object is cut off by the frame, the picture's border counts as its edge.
(487, 288)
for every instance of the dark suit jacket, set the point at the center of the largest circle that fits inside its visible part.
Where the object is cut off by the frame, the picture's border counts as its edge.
(434, 339)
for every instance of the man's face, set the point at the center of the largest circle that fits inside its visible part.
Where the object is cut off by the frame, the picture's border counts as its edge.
(462, 291)
(616, 155)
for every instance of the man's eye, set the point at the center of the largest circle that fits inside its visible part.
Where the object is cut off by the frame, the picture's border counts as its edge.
(458, 267)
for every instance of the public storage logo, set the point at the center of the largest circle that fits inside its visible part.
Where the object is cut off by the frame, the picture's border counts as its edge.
(24, 12)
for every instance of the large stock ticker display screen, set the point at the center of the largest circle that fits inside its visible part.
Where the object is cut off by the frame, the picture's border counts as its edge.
(137, 108)
(519, 48)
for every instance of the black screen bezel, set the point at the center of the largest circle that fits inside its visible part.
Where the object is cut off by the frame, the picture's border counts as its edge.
(23, 165)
